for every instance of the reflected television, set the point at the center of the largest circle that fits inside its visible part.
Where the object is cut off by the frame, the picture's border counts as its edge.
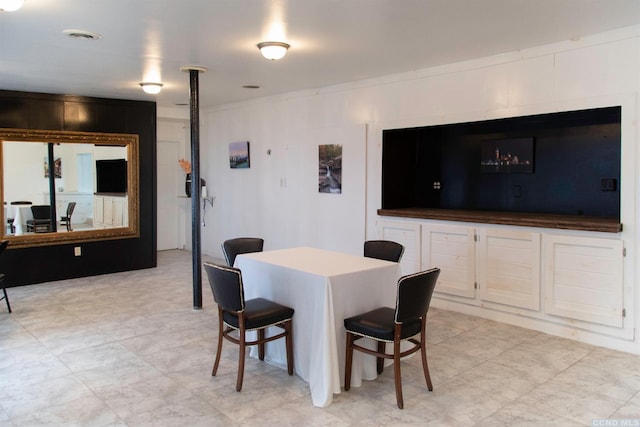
(111, 176)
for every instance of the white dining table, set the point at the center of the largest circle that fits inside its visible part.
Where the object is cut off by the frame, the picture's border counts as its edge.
(324, 288)
(21, 213)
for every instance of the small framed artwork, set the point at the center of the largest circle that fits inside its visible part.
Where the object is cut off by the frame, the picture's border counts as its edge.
(57, 167)
(330, 168)
(239, 156)
(514, 155)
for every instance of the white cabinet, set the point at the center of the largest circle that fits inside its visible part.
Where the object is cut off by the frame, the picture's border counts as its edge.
(82, 213)
(452, 249)
(110, 211)
(584, 279)
(408, 235)
(553, 278)
(509, 267)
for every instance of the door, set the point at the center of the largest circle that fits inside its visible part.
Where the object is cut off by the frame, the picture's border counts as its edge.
(509, 267)
(452, 249)
(168, 212)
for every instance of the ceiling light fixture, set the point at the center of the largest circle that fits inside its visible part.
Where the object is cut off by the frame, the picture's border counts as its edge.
(151, 88)
(81, 34)
(273, 50)
(10, 5)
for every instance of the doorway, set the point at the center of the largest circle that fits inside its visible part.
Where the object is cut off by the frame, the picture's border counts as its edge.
(170, 185)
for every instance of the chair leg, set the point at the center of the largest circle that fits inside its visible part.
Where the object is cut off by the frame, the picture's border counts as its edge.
(288, 326)
(243, 346)
(348, 361)
(396, 367)
(6, 298)
(220, 339)
(423, 350)
(380, 360)
(261, 344)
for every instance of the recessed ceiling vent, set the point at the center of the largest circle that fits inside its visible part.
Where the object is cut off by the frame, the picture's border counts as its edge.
(82, 34)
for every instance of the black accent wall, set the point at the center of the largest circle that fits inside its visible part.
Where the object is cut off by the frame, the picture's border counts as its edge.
(25, 110)
(576, 165)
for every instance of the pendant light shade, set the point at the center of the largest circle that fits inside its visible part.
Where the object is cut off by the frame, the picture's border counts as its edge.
(273, 50)
(151, 88)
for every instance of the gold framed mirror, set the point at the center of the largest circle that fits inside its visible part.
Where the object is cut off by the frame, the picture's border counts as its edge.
(96, 172)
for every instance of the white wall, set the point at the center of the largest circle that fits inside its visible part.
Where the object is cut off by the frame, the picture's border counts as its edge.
(277, 197)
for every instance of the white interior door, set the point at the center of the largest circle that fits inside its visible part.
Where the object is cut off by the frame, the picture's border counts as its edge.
(168, 201)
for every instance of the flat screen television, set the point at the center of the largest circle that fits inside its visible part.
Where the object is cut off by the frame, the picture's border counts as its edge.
(111, 176)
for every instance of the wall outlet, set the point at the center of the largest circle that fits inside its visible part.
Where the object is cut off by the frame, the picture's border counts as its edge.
(77, 251)
(608, 184)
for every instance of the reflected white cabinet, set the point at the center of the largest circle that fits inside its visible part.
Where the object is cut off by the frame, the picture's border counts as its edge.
(82, 213)
(110, 211)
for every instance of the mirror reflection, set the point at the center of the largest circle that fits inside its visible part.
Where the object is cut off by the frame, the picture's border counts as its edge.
(68, 186)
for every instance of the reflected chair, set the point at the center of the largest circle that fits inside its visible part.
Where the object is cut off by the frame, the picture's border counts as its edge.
(41, 222)
(235, 314)
(383, 249)
(5, 297)
(387, 325)
(66, 220)
(241, 245)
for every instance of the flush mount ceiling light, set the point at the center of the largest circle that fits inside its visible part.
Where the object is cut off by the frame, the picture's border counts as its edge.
(10, 5)
(273, 50)
(151, 88)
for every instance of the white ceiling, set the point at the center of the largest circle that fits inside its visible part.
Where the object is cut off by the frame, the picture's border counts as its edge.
(332, 41)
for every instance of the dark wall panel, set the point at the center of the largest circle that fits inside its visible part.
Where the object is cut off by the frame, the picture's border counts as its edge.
(61, 112)
(572, 153)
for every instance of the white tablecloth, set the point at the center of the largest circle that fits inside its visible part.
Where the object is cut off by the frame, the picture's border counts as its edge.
(21, 214)
(324, 288)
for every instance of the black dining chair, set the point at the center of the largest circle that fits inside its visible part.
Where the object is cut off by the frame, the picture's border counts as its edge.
(241, 245)
(383, 249)
(66, 220)
(5, 297)
(235, 314)
(41, 222)
(387, 325)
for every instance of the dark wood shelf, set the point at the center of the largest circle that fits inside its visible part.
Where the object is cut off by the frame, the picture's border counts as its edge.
(564, 222)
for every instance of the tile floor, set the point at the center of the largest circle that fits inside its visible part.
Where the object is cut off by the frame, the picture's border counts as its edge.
(127, 349)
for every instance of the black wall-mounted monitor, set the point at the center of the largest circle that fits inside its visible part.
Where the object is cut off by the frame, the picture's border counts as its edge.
(111, 176)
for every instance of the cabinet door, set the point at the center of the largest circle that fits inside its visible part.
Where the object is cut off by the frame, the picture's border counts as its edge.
(117, 207)
(509, 267)
(584, 279)
(452, 249)
(408, 235)
(98, 211)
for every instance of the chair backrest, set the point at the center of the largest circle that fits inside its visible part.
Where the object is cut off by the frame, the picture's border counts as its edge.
(41, 211)
(383, 249)
(3, 245)
(414, 294)
(70, 207)
(226, 286)
(241, 245)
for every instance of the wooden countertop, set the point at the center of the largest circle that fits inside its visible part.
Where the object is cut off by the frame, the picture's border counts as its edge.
(566, 222)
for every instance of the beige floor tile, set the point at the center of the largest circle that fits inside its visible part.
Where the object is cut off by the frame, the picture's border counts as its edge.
(128, 349)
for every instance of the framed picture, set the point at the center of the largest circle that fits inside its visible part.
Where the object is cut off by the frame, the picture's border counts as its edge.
(239, 156)
(507, 155)
(57, 168)
(330, 168)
